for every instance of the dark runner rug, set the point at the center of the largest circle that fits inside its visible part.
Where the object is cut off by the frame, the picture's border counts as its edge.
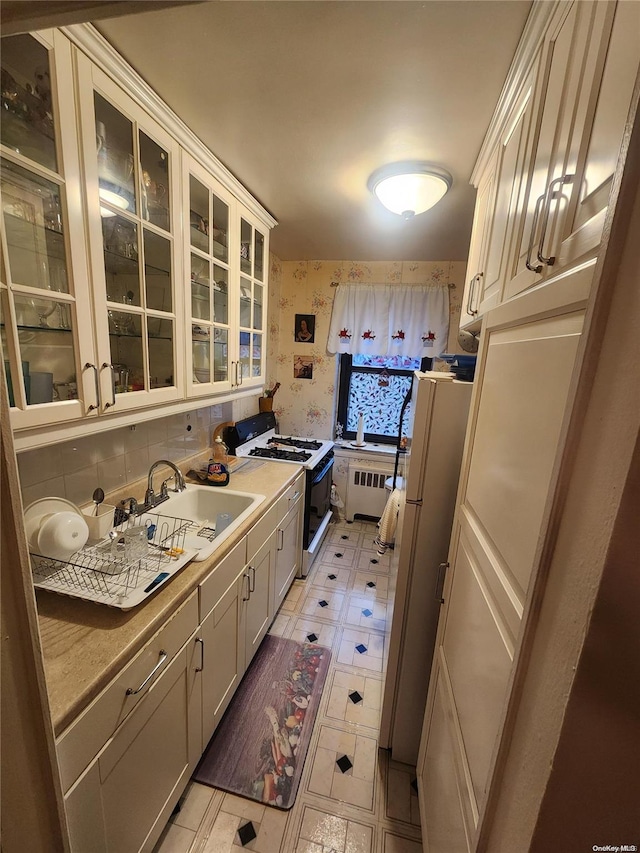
(259, 748)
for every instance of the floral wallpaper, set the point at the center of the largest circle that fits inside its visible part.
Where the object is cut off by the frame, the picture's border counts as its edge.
(307, 374)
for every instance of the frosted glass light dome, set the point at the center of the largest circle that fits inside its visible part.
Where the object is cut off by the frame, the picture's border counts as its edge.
(411, 188)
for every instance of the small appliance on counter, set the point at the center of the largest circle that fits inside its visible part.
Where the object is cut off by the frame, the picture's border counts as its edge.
(256, 437)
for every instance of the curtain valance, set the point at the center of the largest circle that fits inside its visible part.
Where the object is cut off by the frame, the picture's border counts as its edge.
(389, 319)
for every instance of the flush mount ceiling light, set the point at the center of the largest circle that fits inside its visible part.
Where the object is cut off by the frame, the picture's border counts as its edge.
(409, 188)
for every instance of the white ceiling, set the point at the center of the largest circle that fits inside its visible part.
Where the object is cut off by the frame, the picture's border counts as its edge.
(303, 100)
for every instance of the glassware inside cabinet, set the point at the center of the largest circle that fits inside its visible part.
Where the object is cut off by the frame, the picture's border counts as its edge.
(200, 288)
(220, 294)
(258, 256)
(32, 218)
(201, 353)
(157, 272)
(114, 150)
(154, 190)
(245, 246)
(199, 214)
(121, 253)
(28, 111)
(220, 229)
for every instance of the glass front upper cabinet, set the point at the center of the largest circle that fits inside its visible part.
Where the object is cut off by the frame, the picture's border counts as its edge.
(210, 363)
(45, 323)
(131, 163)
(251, 303)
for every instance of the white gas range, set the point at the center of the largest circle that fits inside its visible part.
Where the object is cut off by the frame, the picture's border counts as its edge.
(257, 438)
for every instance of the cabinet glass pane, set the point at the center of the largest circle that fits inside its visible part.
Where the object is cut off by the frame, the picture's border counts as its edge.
(157, 271)
(198, 214)
(220, 229)
(120, 241)
(245, 246)
(45, 340)
(127, 358)
(200, 289)
(245, 302)
(154, 163)
(220, 294)
(257, 306)
(27, 122)
(160, 352)
(258, 257)
(32, 218)
(114, 147)
(220, 355)
(256, 355)
(245, 353)
(201, 353)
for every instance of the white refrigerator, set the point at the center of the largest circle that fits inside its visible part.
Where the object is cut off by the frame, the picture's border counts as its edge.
(439, 412)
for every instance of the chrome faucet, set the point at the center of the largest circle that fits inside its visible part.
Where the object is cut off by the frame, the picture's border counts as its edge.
(150, 497)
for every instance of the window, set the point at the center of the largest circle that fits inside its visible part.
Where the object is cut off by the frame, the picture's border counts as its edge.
(375, 386)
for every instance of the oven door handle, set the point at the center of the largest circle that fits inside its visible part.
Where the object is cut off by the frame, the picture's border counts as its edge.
(322, 473)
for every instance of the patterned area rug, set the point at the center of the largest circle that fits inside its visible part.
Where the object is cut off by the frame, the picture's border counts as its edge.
(259, 748)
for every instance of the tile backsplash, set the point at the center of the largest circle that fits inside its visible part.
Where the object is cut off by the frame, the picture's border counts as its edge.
(111, 460)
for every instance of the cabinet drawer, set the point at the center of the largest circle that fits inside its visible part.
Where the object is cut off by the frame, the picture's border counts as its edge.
(89, 732)
(214, 586)
(294, 493)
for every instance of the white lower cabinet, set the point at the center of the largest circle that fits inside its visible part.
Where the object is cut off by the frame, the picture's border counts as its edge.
(257, 611)
(288, 551)
(123, 800)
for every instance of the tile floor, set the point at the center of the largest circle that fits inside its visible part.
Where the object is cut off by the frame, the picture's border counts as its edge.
(352, 798)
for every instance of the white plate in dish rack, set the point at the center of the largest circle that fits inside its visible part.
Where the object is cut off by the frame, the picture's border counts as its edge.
(37, 510)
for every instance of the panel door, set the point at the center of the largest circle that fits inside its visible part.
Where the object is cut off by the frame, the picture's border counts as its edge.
(258, 597)
(522, 387)
(46, 327)
(223, 656)
(132, 168)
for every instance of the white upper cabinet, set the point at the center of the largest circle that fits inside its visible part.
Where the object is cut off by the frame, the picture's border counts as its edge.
(133, 193)
(546, 170)
(45, 310)
(134, 265)
(585, 91)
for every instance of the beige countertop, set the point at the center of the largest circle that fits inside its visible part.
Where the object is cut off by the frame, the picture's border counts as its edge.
(85, 644)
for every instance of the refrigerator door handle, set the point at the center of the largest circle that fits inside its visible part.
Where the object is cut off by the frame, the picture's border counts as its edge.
(442, 570)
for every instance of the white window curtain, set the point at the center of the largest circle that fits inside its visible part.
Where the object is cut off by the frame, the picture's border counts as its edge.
(389, 319)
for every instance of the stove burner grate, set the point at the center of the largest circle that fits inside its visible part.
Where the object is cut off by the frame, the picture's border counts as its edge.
(301, 443)
(275, 453)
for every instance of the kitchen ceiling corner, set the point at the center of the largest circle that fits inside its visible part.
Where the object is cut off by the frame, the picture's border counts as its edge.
(303, 101)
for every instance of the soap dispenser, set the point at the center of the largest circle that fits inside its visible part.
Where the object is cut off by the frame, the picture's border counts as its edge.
(218, 470)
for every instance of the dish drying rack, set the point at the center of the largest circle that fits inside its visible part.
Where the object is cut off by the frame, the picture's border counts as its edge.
(102, 573)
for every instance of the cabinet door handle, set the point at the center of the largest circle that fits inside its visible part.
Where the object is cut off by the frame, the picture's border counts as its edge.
(201, 641)
(89, 366)
(442, 570)
(551, 195)
(248, 596)
(472, 285)
(231, 373)
(252, 584)
(238, 373)
(281, 543)
(113, 384)
(163, 657)
(472, 292)
(532, 236)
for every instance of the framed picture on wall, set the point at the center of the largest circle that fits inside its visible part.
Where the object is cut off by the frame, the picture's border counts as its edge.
(302, 367)
(305, 328)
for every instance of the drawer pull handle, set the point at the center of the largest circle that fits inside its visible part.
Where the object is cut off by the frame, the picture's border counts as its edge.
(201, 641)
(163, 657)
(294, 497)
